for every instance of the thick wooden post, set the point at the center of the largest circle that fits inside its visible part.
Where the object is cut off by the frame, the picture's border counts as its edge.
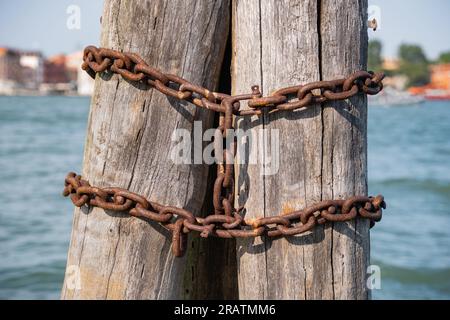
(322, 149)
(128, 144)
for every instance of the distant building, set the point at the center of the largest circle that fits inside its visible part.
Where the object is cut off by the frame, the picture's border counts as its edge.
(20, 70)
(55, 70)
(439, 86)
(32, 69)
(84, 83)
(27, 72)
(10, 70)
(10, 65)
(440, 76)
(73, 64)
(390, 64)
(397, 82)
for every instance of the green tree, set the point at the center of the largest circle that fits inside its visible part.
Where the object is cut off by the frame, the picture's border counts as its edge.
(444, 57)
(374, 59)
(414, 64)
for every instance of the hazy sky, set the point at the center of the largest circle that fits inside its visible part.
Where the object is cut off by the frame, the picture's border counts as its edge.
(42, 25)
(29, 24)
(425, 22)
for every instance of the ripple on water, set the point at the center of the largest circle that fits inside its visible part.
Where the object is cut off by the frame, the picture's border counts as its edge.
(41, 139)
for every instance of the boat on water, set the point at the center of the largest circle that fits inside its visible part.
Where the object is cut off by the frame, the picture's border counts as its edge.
(389, 97)
(437, 94)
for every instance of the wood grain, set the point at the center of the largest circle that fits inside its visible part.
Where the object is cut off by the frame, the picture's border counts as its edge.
(344, 50)
(322, 149)
(128, 144)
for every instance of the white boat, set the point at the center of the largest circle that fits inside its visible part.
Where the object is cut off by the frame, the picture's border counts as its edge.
(391, 97)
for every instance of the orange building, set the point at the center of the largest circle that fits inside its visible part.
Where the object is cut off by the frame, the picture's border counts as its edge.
(439, 86)
(440, 76)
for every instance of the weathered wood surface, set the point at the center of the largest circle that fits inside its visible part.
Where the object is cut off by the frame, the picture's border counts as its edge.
(128, 144)
(322, 149)
(344, 50)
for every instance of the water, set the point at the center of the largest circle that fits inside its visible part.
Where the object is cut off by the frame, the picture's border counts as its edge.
(41, 139)
(409, 157)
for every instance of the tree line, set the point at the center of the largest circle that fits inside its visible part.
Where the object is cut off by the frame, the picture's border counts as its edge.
(413, 62)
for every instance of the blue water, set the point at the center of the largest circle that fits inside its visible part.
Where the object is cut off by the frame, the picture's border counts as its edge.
(409, 163)
(41, 139)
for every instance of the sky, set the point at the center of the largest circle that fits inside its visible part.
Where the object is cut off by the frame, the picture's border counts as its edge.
(423, 22)
(42, 25)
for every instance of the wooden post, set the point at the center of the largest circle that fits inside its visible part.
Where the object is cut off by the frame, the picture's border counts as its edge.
(115, 256)
(322, 149)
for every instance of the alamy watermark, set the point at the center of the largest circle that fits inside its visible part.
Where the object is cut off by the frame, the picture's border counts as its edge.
(73, 277)
(253, 146)
(73, 21)
(373, 281)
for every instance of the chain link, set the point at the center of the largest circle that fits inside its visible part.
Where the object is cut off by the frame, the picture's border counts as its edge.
(133, 68)
(228, 225)
(226, 221)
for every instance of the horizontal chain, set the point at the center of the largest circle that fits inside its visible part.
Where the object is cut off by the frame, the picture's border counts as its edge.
(226, 221)
(133, 68)
(181, 221)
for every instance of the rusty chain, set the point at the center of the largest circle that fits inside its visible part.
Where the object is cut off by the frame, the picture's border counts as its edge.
(226, 221)
(231, 225)
(133, 68)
